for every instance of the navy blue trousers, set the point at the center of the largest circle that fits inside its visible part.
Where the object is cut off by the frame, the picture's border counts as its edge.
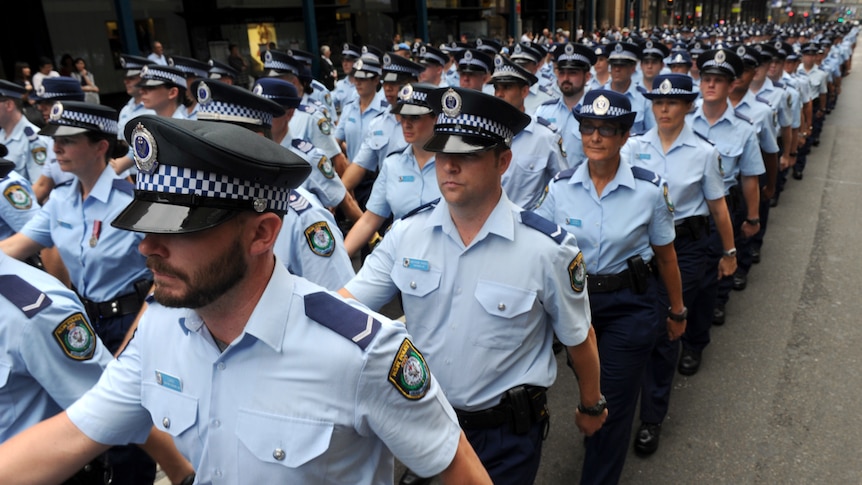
(626, 324)
(509, 458)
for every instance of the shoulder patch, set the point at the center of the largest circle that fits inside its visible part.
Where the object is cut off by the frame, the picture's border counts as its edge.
(18, 196)
(547, 90)
(297, 202)
(320, 240)
(324, 125)
(565, 174)
(325, 167)
(578, 273)
(76, 337)
(743, 117)
(703, 138)
(124, 185)
(546, 123)
(539, 223)
(302, 145)
(644, 174)
(23, 295)
(409, 372)
(341, 318)
(422, 208)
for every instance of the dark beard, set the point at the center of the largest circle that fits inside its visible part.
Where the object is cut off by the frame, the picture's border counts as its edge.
(208, 283)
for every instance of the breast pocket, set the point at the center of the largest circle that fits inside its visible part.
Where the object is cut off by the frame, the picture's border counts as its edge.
(172, 412)
(271, 444)
(415, 282)
(507, 309)
(729, 158)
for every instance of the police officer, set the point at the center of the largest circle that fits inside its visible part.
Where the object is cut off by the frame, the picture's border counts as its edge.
(163, 90)
(537, 150)
(653, 55)
(468, 311)
(680, 62)
(453, 78)
(312, 88)
(474, 70)
(25, 147)
(193, 70)
(529, 55)
(433, 60)
(817, 80)
(19, 203)
(240, 314)
(223, 72)
(600, 73)
(572, 68)
(623, 58)
(307, 245)
(622, 217)
(107, 272)
(344, 89)
(408, 178)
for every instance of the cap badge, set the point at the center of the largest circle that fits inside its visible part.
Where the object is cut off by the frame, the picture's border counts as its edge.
(598, 51)
(665, 86)
(678, 58)
(740, 51)
(697, 45)
(145, 70)
(468, 56)
(123, 62)
(204, 94)
(498, 61)
(618, 48)
(257, 89)
(569, 49)
(601, 105)
(778, 46)
(406, 93)
(720, 57)
(451, 103)
(423, 50)
(40, 91)
(478, 41)
(648, 44)
(145, 149)
(364, 50)
(387, 61)
(56, 110)
(267, 56)
(346, 47)
(517, 48)
(290, 52)
(357, 65)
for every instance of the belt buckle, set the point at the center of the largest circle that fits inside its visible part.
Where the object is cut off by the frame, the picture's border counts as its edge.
(115, 307)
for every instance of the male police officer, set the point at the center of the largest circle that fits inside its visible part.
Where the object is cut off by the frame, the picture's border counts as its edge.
(221, 362)
(469, 311)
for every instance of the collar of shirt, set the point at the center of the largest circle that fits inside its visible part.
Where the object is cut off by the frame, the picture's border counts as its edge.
(726, 116)
(102, 190)
(623, 178)
(18, 131)
(686, 137)
(529, 128)
(500, 222)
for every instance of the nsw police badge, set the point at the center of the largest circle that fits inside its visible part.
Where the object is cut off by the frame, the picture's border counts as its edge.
(578, 273)
(76, 337)
(409, 372)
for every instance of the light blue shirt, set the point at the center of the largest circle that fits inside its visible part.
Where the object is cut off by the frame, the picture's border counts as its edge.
(402, 186)
(535, 97)
(130, 110)
(310, 243)
(38, 375)
(536, 158)
(779, 100)
(27, 148)
(18, 205)
(353, 126)
(761, 114)
(344, 93)
(291, 400)
(567, 125)
(52, 169)
(384, 138)
(323, 181)
(736, 141)
(629, 217)
(324, 97)
(310, 124)
(484, 315)
(690, 167)
(644, 120)
(109, 268)
(452, 76)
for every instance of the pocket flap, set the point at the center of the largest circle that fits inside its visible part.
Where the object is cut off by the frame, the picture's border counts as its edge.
(288, 441)
(502, 300)
(172, 412)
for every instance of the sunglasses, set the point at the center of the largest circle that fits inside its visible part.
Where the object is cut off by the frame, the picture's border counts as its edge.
(604, 130)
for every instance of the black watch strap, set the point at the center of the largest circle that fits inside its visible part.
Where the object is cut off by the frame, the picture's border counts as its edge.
(595, 410)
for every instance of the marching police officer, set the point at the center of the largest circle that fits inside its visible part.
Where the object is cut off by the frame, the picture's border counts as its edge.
(24, 146)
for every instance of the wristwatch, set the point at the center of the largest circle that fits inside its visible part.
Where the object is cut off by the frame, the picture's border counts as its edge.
(753, 222)
(595, 410)
(730, 253)
(677, 317)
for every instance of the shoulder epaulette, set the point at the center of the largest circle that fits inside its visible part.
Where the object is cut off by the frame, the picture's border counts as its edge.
(397, 151)
(123, 185)
(763, 100)
(23, 295)
(30, 133)
(565, 174)
(307, 108)
(550, 102)
(421, 208)
(546, 123)
(644, 174)
(546, 227)
(743, 117)
(703, 138)
(778, 84)
(384, 103)
(302, 145)
(547, 90)
(641, 89)
(65, 183)
(297, 202)
(343, 319)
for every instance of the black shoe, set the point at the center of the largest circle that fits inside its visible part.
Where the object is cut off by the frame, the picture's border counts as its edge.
(410, 478)
(689, 362)
(815, 143)
(646, 441)
(718, 315)
(740, 281)
(797, 174)
(755, 256)
(773, 202)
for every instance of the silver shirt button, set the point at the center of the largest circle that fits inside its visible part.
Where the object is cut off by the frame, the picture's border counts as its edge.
(278, 454)
(501, 306)
(412, 285)
(166, 422)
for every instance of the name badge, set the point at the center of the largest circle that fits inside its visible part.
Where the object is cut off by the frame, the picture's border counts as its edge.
(64, 224)
(644, 156)
(351, 119)
(169, 381)
(378, 132)
(419, 264)
(406, 178)
(573, 222)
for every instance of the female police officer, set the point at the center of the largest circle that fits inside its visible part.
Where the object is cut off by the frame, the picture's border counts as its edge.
(690, 165)
(622, 218)
(107, 271)
(407, 179)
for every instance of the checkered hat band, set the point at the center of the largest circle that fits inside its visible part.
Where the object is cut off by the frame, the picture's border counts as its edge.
(653, 51)
(723, 65)
(180, 180)
(573, 58)
(191, 70)
(370, 68)
(629, 56)
(165, 76)
(475, 62)
(398, 68)
(74, 118)
(612, 112)
(280, 66)
(219, 110)
(350, 52)
(672, 92)
(416, 98)
(466, 124)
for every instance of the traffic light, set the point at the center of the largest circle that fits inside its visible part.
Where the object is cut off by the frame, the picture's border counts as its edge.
(791, 13)
(805, 14)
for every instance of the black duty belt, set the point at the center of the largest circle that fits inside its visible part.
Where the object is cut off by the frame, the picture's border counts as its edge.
(692, 227)
(534, 406)
(606, 283)
(118, 307)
